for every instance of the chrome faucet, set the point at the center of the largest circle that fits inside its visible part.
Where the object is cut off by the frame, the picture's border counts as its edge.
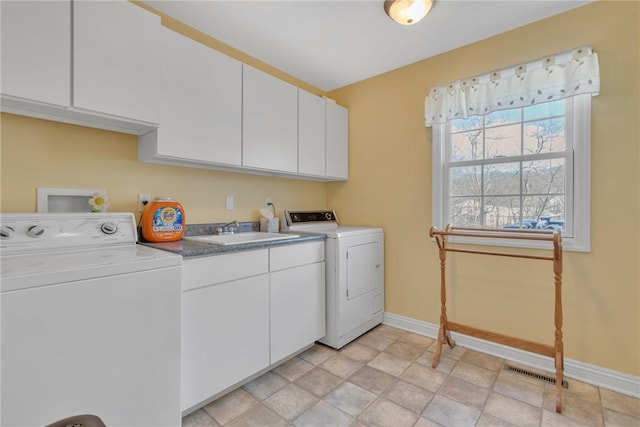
(228, 228)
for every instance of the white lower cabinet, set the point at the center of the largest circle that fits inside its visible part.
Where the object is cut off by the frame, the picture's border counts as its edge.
(244, 311)
(297, 299)
(225, 326)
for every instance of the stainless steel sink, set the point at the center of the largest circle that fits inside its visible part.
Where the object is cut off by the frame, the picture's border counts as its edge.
(241, 238)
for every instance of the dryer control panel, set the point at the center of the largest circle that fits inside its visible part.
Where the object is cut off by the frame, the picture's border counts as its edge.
(292, 218)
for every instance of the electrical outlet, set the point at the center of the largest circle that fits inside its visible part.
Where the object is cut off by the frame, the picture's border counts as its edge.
(143, 199)
(229, 203)
(268, 201)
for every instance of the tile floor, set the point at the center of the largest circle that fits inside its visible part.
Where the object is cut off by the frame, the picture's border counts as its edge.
(384, 378)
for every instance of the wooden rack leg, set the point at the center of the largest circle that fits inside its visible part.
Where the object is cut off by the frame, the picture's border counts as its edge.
(559, 380)
(558, 344)
(443, 334)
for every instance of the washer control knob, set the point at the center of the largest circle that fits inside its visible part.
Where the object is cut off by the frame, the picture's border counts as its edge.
(35, 230)
(328, 216)
(6, 232)
(109, 228)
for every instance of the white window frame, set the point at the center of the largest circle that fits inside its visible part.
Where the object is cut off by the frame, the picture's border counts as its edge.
(578, 191)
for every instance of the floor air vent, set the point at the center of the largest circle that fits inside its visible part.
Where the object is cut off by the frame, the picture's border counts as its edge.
(545, 378)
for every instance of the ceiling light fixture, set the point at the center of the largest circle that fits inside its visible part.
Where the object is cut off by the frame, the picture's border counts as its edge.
(407, 12)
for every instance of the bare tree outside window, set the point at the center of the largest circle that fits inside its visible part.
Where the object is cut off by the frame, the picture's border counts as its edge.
(507, 169)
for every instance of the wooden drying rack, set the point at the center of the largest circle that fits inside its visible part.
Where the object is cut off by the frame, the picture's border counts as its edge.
(557, 350)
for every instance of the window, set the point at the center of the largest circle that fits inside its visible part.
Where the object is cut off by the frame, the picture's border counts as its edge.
(525, 167)
(512, 148)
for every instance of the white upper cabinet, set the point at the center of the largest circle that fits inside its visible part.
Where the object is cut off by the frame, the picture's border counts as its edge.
(337, 138)
(311, 134)
(116, 59)
(201, 102)
(107, 76)
(36, 50)
(111, 65)
(270, 122)
(322, 137)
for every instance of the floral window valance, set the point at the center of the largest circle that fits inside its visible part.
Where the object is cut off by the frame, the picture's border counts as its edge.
(551, 78)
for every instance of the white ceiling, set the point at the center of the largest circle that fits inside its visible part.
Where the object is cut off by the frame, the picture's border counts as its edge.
(333, 43)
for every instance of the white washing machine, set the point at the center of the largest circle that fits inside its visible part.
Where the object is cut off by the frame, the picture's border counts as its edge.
(354, 273)
(90, 322)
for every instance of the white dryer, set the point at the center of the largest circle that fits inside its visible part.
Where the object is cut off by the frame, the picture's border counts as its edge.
(90, 322)
(354, 273)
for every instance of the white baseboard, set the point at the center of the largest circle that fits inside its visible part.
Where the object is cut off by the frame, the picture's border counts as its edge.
(602, 377)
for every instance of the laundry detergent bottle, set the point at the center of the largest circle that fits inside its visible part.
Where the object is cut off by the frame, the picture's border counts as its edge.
(162, 220)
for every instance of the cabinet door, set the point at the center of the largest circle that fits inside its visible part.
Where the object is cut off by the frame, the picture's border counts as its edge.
(116, 59)
(269, 123)
(225, 336)
(311, 134)
(201, 102)
(36, 50)
(337, 141)
(297, 309)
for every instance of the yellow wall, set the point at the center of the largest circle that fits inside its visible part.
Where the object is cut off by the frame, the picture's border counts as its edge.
(390, 186)
(40, 153)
